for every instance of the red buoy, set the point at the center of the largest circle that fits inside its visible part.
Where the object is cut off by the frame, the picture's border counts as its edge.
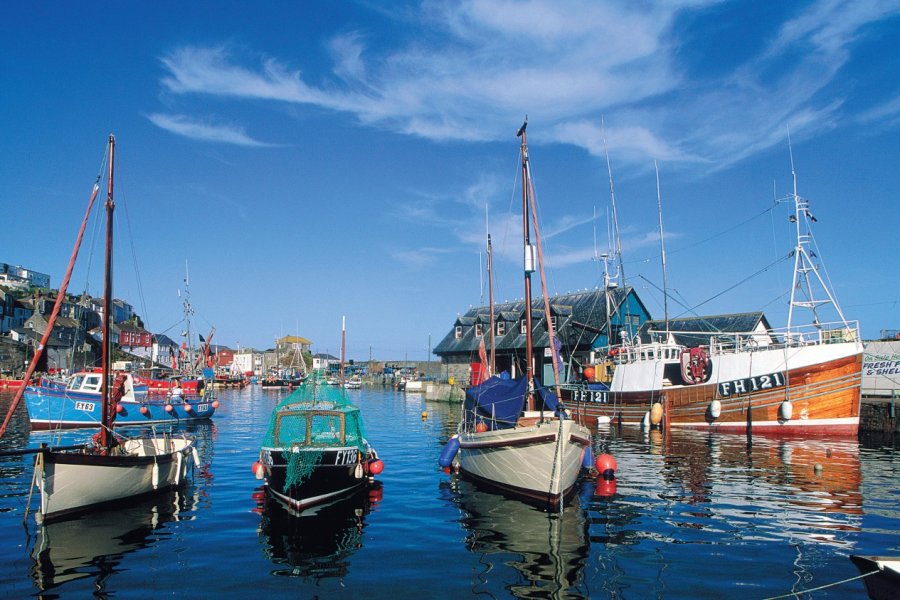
(187, 407)
(606, 465)
(376, 466)
(145, 411)
(589, 373)
(215, 404)
(169, 408)
(119, 408)
(481, 427)
(605, 487)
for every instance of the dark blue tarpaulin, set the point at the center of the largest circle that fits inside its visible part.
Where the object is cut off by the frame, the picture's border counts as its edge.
(501, 401)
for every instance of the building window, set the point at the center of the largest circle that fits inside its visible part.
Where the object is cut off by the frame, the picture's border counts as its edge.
(479, 330)
(501, 327)
(459, 332)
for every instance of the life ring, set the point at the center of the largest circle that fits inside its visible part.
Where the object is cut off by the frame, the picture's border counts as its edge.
(695, 365)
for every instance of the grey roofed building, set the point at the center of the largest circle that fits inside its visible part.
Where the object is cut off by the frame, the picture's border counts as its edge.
(697, 331)
(580, 325)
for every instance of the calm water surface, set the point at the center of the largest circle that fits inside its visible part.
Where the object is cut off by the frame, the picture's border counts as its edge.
(690, 516)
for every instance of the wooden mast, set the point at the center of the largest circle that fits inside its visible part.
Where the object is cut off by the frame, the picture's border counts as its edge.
(107, 412)
(490, 266)
(343, 344)
(529, 268)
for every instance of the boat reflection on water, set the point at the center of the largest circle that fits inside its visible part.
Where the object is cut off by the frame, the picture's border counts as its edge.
(548, 551)
(94, 544)
(803, 488)
(317, 542)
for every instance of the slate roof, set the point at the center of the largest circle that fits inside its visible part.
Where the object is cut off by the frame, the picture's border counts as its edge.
(715, 325)
(580, 317)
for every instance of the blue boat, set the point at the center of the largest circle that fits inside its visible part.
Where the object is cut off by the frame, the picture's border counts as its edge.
(78, 403)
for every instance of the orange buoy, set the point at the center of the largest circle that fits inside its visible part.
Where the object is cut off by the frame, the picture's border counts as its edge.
(376, 466)
(119, 408)
(145, 411)
(656, 413)
(215, 404)
(187, 407)
(481, 427)
(169, 408)
(589, 373)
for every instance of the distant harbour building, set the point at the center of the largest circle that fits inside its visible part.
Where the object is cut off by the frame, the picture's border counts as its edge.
(579, 321)
(18, 276)
(248, 360)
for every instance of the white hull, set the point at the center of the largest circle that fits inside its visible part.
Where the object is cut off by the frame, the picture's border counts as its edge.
(540, 462)
(71, 482)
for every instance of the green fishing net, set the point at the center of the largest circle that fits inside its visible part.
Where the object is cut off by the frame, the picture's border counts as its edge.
(313, 419)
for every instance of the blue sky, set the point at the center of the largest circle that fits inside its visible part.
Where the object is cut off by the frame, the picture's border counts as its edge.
(309, 160)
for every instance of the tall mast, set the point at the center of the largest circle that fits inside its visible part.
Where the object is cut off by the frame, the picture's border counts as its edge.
(529, 264)
(615, 213)
(188, 312)
(551, 334)
(662, 244)
(803, 264)
(490, 267)
(106, 411)
(343, 344)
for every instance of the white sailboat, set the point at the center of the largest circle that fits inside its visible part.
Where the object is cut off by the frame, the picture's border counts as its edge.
(111, 468)
(515, 437)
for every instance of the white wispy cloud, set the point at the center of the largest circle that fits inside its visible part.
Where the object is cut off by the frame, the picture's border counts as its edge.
(204, 131)
(465, 70)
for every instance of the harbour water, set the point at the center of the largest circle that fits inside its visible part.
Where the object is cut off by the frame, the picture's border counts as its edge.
(689, 516)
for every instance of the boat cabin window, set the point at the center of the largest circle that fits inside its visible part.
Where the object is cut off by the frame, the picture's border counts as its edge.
(92, 383)
(326, 429)
(76, 382)
(290, 429)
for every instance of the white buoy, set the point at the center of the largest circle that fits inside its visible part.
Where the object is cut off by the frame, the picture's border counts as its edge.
(786, 410)
(603, 421)
(196, 456)
(358, 472)
(645, 423)
(715, 409)
(154, 476)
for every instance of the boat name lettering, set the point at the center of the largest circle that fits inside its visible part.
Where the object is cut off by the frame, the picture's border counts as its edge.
(203, 407)
(595, 396)
(751, 384)
(345, 457)
(85, 406)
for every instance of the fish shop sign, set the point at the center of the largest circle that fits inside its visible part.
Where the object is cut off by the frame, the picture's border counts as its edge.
(751, 384)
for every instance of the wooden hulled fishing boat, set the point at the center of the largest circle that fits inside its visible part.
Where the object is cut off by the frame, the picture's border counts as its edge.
(734, 372)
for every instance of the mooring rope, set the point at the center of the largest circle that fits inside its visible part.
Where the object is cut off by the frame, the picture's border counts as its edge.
(822, 587)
